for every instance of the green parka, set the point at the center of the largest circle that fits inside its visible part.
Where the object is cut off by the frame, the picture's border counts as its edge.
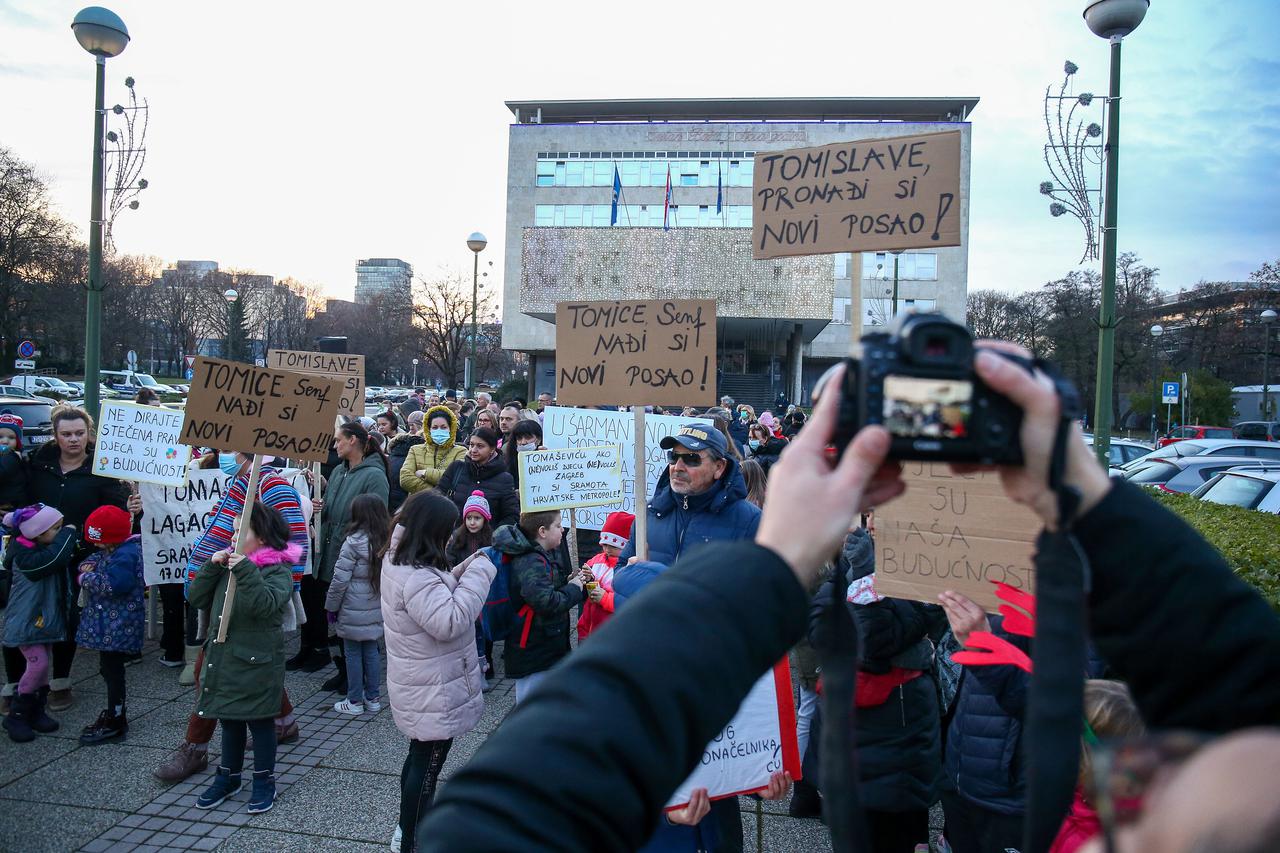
(345, 485)
(242, 679)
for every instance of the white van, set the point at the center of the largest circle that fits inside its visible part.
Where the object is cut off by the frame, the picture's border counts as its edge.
(124, 380)
(38, 384)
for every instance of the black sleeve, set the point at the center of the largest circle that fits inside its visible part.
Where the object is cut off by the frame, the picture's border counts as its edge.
(667, 672)
(508, 509)
(1199, 647)
(448, 480)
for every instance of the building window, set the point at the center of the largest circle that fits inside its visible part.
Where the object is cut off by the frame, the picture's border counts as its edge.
(912, 266)
(842, 310)
(641, 216)
(842, 264)
(651, 171)
(879, 312)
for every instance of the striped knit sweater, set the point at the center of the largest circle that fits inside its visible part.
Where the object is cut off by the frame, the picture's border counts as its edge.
(275, 492)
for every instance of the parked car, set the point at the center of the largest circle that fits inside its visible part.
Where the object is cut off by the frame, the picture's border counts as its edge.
(37, 419)
(1181, 474)
(1186, 433)
(1255, 487)
(1122, 450)
(104, 393)
(15, 391)
(36, 383)
(1258, 430)
(1212, 447)
(129, 382)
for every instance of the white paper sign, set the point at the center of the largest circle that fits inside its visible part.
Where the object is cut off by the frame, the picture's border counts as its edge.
(566, 428)
(140, 443)
(173, 520)
(571, 478)
(759, 741)
(175, 517)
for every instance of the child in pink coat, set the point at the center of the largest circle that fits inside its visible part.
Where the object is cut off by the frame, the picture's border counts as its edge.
(599, 604)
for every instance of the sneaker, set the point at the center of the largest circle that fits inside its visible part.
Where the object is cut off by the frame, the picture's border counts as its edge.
(263, 796)
(108, 727)
(225, 784)
(397, 838)
(185, 761)
(373, 706)
(164, 661)
(351, 709)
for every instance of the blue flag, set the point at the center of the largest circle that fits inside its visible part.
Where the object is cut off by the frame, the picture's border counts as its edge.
(719, 190)
(617, 191)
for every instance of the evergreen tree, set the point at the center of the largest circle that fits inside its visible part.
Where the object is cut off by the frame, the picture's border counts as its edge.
(237, 340)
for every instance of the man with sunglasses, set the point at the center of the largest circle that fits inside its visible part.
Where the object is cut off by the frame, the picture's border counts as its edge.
(700, 498)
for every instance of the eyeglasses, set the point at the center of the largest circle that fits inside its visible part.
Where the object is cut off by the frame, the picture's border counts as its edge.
(690, 460)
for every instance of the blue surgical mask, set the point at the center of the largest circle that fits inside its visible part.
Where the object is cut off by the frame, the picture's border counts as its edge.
(4, 448)
(439, 436)
(523, 447)
(742, 415)
(229, 464)
(754, 443)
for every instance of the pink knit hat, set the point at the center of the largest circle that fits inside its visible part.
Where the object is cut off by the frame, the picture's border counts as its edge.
(477, 503)
(767, 420)
(31, 521)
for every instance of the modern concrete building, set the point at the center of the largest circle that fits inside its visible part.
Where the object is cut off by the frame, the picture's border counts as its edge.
(780, 322)
(387, 278)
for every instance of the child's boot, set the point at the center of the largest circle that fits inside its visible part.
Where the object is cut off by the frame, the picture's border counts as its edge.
(16, 722)
(263, 796)
(110, 726)
(337, 682)
(40, 721)
(225, 784)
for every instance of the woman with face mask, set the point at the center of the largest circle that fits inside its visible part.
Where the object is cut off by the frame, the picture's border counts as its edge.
(526, 435)
(763, 446)
(426, 462)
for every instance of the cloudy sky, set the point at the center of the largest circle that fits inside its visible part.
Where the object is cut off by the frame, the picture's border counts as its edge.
(292, 138)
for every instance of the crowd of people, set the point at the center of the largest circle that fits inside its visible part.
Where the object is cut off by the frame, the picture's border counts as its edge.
(420, 530)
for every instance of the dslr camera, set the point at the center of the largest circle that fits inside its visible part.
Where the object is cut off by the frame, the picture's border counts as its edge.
(917, 381)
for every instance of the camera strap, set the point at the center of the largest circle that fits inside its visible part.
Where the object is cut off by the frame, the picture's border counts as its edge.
(1055, 699)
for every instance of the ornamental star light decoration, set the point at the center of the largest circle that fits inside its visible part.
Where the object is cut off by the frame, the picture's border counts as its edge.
(1074, 161)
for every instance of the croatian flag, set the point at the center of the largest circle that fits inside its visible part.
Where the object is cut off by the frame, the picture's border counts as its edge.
(666, 204)
(719, 190)
(617, 191)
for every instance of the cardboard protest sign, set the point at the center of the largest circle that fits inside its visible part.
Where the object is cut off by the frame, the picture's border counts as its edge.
(140, 443)
(235, 406)
(759, 740)
(175, 517)
(869, 195)
(953, 531)
(570, 478)
(569, 428)
(639, 352)
(336, 365)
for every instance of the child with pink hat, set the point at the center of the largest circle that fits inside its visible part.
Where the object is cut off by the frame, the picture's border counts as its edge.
(36, 560)
(13, 473)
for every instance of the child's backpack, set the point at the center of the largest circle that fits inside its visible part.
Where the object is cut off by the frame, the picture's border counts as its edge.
(498, 614)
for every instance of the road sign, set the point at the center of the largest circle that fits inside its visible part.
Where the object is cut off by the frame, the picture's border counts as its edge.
(191, 360)
(259, 362)
(191, 374)
(1170, 393)
(27, 349)
(131, 360)
(24, 364)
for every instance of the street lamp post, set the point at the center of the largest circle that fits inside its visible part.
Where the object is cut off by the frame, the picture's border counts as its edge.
(1156, 331)
(1112, 20)
(415, 373)
(231, 296)
(476, 243)
(1268, 317)
(101, 32)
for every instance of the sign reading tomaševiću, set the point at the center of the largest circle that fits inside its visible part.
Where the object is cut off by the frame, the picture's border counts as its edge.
(658, 352)
(869, 195)
(237, 406)
(570, 478)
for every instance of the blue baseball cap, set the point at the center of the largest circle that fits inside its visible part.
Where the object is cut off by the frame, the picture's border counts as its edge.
(698, 437)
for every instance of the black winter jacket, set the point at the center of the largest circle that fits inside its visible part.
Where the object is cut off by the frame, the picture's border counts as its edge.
(767, 453)
(76, 493)
(463, 477)
(898, 741)
(13, 481)
(1161, 595)
(541, 598)
(396, 454)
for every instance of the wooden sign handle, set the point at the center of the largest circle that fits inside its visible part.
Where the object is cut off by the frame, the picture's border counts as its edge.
(573, 540)
(641, 488)
(246, 512)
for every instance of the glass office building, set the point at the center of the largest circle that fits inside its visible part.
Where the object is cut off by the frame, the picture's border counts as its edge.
(384, 278)
(780, 322)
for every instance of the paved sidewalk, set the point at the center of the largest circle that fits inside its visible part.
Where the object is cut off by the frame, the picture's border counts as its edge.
(338, 786)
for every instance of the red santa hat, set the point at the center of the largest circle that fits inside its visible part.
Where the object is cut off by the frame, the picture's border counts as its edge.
(617, 529)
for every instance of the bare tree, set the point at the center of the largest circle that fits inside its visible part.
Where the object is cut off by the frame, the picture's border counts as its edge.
(989, 314)
(442, 315)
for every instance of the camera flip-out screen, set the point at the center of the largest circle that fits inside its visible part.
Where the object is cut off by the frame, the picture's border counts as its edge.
(916, 407)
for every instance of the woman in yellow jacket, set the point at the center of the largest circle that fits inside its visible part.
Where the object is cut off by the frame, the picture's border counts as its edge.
(427, 461)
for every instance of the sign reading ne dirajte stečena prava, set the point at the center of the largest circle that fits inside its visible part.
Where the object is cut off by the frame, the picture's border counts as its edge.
(659, 352)
(865, 195)
(236, 406)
